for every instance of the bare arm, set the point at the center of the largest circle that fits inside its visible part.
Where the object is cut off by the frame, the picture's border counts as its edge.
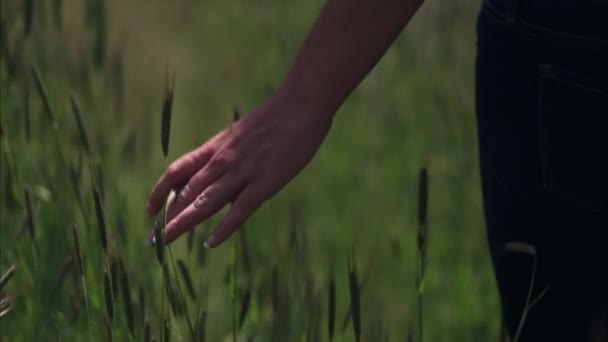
(347, 40)
(248, 162)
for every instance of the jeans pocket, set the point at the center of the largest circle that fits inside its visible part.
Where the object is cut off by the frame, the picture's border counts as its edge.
(573, 131)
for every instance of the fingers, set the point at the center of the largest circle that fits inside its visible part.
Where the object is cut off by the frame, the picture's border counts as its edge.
(245, 204)
(211, 200)
(177, 173)
(196, 185)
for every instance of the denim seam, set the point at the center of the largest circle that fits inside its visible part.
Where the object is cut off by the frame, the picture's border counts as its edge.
(543, 76)
(540, 32)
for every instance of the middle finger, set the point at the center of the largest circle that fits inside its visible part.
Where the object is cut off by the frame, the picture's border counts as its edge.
(210, 201)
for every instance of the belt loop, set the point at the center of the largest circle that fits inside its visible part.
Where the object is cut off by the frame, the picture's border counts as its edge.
(512, 10)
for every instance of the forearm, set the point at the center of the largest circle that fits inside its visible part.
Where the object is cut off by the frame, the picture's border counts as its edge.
(348, 38)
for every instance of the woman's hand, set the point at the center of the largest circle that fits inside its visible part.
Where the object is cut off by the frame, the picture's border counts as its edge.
(248, 162)
(245, 164)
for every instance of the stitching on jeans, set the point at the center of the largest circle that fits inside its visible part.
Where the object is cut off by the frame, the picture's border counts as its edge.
(545, 33)
(577, 80)
(541, 142)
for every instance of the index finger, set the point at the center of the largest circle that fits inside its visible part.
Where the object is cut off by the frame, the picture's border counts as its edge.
(177, 173)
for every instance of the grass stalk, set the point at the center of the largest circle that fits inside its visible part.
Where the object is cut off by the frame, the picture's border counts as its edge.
(84, 138)
(354, 296)
(77, 251)
(528, 249)
(331, 307)
(233, 289)
(187, 279)
(126, 297)
(422, 240)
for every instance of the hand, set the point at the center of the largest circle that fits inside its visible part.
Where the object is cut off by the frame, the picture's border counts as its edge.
(245, 164)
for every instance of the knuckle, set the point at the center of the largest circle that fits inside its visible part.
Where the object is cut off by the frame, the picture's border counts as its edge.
(172, 170)
(260, 192)
(201, 201)
(220, 162)
(238, 210)
(235, 138)
(223, 159)
(183, 194)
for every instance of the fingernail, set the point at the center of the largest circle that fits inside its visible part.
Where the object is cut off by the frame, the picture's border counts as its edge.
(151, 239)
(209, 243)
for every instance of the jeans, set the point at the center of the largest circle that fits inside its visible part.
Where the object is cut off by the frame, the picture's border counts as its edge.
(542, 121)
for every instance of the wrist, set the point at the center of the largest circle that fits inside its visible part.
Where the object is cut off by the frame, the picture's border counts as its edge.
(304, 94)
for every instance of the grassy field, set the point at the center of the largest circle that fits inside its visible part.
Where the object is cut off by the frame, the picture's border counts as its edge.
(358, 194)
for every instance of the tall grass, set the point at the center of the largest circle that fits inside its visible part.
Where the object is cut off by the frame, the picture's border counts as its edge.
(62, 86)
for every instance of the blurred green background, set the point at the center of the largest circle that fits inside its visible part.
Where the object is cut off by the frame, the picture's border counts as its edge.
(360, 192)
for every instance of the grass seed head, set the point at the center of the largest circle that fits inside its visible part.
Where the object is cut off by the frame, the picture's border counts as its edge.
(44, 95)
(422, 231)
(187, 278)
(167, 110)
(101, 221)
(159, 240)
(115, 276)
(244, 306)
(174, 300)
(66, 268)
(26, 111)
(190, 240)
(422, 196)
(126, 297)
(107, 288)
(77, 250)
(84, 139)
(201, 324)
(30, 214)
(28, 14)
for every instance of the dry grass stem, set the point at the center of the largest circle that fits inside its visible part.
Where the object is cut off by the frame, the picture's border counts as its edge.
(7, 275)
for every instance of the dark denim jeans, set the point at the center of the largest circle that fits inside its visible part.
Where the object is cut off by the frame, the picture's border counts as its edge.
(542, 112)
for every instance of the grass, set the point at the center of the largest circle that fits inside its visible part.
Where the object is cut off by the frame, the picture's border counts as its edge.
(90, 126)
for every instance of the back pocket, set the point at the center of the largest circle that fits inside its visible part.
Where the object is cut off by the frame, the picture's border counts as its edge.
(573, 124)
